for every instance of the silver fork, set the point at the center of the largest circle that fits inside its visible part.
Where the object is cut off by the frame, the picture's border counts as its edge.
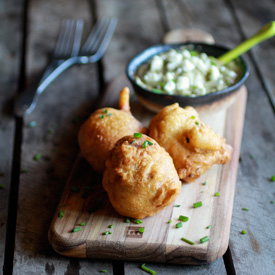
(67, 54)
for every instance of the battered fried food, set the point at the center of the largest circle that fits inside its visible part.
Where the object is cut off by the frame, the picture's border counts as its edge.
(103, 128)
(140, 177)
(193, 146)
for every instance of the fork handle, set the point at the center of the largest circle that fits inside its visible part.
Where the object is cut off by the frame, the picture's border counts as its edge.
(26, 101)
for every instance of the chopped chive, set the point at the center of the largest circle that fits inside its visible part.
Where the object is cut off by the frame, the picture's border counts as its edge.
(101, 116)
(105, 111)
(103, 271)
(197, 204)
(179, 225)
(137, 135)
(32, 124)
(193, 117)
(177, 205)
(273, 178)
(149, 142)
(60, 214)
(141, 230)
(137, 221)
(111, 226)
(243, 232)
(133, 141)
(252, 157)
(272, 202)
(209, 226)
(187, 241)
(169, 221)
(76, 229)
(245, 209)
(148, 270)
(127, 221)
(204, 239)
(217, 194)
(107, 233)
(37, 157)
(75, 189)
(193, 53)
(109, 114)
(204, 183)
(201, 191)
(82, 224)
(183, 218)
(213, 63)
(157, 91)
(145, 144)
(50, 130)
(2, 186)
(197, 123)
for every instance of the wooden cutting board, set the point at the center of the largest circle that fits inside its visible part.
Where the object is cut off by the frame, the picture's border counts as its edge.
(161, 241)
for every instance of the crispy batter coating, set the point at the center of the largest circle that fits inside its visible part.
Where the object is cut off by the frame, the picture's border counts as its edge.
(140, 181)
(193, 146)
(103, 128)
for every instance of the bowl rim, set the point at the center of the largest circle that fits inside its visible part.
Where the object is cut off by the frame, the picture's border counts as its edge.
(225, 91)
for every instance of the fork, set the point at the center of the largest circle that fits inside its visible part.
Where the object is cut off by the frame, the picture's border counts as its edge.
(67, 53)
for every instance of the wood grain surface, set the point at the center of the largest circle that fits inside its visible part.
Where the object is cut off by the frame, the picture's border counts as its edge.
(161, 241)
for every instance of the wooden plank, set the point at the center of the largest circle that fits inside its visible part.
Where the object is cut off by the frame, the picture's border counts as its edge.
(252, 18)
(159, 236)
(59, 113)
(10, 21)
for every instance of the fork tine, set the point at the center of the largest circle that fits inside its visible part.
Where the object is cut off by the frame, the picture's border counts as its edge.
(61, 37)
(68, 42)
(77, 37)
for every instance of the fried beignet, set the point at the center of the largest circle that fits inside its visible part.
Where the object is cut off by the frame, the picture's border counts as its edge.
(193, 146)
(103, 128)
(140, 177)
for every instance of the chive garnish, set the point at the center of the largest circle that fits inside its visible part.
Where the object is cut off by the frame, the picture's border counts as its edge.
(179, 225)
(103, 271)
(76, 229)
(193, 53)
(137, 221)
(177, 205)
(197, 123)
(75, 189)
(217, 194)
(273, 178)
(101, 116)
(204, 239)
(82, 224)
(252, 157)
(157, 91)
(133, 141)
(127, 221)
(111, 226)
(209, 226)
(37, 157)
(143, 267)
(141, 230)
(2, 186)
(105, 111)
(60, 214)
(149, 142)
(204, 183)
(243, 232)
(272, 202)
(145, 144)
(183, 218)
(109, 114)
(107, 233)
(245, 209)
(193, 117)
(137, 135)
(169, 221)
(197, 204)
(187, 241)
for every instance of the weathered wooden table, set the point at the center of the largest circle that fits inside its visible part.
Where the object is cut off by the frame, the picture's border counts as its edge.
(30, 190)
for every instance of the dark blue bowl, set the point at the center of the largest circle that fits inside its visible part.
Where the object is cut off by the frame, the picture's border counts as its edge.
(156, 101)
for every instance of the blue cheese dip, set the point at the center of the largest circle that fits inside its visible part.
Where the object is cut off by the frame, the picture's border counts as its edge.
(186, 72)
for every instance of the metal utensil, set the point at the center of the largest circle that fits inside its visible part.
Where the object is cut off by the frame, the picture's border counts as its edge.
(69, 41)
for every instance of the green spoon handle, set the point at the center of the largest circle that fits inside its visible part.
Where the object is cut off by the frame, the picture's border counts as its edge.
(266, 32)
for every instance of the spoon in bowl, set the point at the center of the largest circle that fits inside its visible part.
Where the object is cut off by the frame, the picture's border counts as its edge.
(266, 32)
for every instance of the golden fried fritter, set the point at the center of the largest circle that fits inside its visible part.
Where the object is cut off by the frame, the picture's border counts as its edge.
(140, 177)
(193, 146)
(103, 128)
